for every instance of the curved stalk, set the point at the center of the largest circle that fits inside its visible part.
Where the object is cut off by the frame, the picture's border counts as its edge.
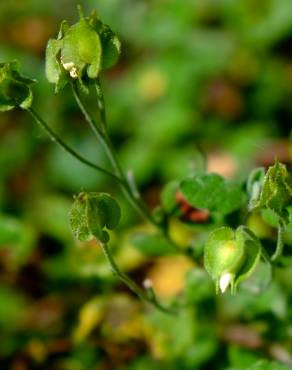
(92, 123)
(101, 133)
(148, 295)
(68, 149)
(280, 243)
(133, 192)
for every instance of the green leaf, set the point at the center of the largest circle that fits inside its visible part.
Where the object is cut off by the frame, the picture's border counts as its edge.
(168, 196)
(212, 192)
(152, 245)
(15, 89)
(91, 213)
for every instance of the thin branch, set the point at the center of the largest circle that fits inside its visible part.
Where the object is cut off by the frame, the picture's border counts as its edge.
(280, 242)
(92, 123)
(101, 134)
(68, 149)
(132, 194)
(148, 295)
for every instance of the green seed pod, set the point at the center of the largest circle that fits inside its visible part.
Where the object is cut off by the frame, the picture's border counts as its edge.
(231, 256)
(276, 191)
(81, 51)
(91, 213)
(15, 89)
(111, 45)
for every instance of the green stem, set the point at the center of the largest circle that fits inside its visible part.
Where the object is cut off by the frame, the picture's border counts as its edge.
(130, 187)
(101, 133)
(92, 123)
(148, 296)
(280, 243)
(133, 194)
(69, 150)
(100, 102)
(265, 255)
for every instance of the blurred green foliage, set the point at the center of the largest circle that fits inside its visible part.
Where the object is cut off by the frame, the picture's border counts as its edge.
(200, 76)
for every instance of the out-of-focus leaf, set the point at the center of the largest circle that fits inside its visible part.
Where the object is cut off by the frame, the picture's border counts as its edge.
(90, 315)
(49, 212)
(260, 279)
(153, 245)
(168, 274)
(19, 238)
(241, 358)
(268, 365)
(168, 196)
(12, 308)
(198, 286)
(175, 333)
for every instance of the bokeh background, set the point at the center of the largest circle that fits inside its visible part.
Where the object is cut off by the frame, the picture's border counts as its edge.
(197, 79)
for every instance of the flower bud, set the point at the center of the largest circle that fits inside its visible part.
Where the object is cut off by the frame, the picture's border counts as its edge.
(15, 89)
(276, 193)
(81, 51)
(91, 213)
(231, 256)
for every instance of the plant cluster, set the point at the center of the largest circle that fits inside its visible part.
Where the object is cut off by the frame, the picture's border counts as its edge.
(232, 253)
